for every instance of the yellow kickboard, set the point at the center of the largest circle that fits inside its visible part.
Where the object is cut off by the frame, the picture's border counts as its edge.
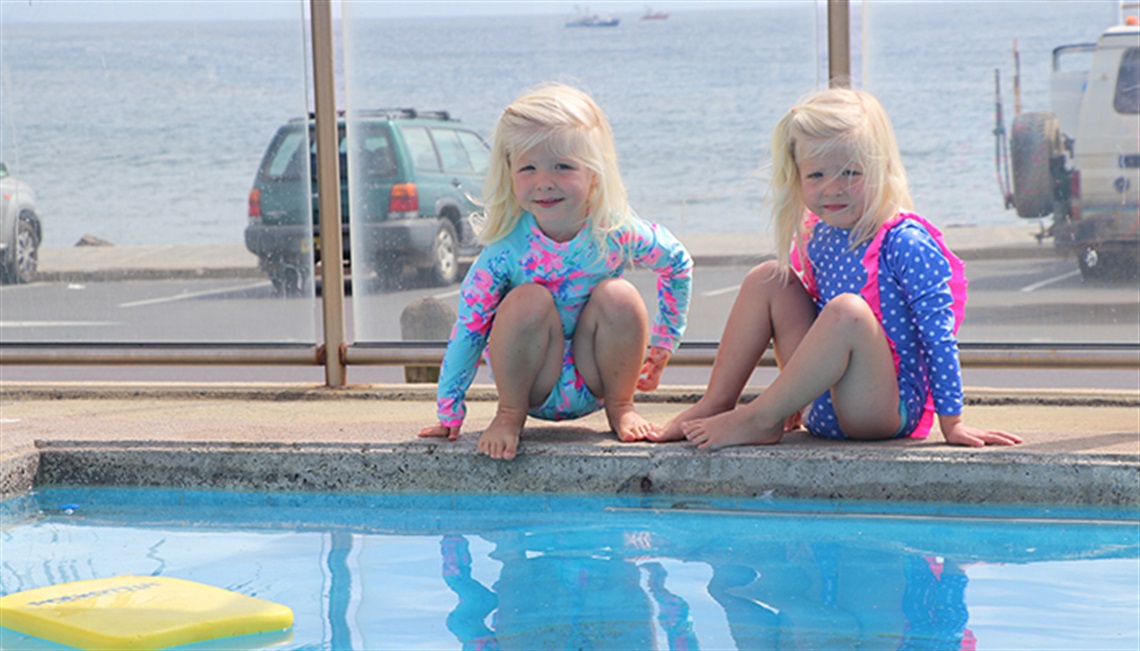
(138, 612)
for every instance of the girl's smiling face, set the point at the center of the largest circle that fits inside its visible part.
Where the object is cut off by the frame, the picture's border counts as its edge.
(832, 185)
(555, 189)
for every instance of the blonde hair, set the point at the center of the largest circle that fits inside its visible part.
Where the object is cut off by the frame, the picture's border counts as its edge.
(570, 124)
(836, 120)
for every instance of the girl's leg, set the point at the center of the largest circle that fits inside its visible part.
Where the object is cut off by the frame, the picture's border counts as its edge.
(609, 349)
(526, 348)
(767, 308)
(846, 351)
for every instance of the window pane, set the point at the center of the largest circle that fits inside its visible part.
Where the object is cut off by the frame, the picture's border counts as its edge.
(1128, 83)
(1069, 273)
(421, 149)
(454, 156)
(692, 100)
(142, 128)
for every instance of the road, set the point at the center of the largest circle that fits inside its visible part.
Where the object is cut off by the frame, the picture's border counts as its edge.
(1030, 300)
(1040, 300)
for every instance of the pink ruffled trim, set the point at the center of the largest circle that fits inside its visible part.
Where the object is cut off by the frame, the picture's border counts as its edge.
(870, 293)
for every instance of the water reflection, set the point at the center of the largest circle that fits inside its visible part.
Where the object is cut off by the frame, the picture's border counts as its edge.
(774, 596)
(489, 572)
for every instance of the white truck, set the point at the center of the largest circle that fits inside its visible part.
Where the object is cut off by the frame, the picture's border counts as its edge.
(1080, 161)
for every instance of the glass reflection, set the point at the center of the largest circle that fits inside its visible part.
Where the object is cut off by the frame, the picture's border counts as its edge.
(1029, 265)
(140, 127)
(692, 101)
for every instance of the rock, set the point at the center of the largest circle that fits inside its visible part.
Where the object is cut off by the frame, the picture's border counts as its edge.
(426, 319)
(91, 240)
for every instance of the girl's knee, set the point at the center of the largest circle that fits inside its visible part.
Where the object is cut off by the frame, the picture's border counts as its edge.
(848, 308)
(617, 300)
(529, 304)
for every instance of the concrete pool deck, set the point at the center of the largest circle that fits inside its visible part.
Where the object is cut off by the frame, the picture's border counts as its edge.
(1080, 447)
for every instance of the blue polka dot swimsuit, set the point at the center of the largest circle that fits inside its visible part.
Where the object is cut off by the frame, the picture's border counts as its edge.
(917, 315)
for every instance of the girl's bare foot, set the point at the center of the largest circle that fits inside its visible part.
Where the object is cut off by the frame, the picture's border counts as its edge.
(501, 438)
(673, 430)
(628, 424)
(731, 428)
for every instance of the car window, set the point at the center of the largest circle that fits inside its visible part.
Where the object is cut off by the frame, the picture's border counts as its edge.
(376, 156)
(452, 152)
(421, 149)
(342, 151)
(476, 150)
(287, 160)
(1127, 98)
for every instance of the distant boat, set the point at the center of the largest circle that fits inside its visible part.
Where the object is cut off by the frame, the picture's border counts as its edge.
(654, 15)
(587, 19)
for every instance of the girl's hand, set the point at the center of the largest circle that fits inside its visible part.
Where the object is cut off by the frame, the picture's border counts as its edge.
(440, 430)
(958, 433)
(655, 361)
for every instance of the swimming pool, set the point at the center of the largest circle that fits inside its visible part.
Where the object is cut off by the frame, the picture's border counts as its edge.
(430, 571)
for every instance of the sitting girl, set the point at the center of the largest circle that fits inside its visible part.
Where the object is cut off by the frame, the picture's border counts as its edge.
(862, 305)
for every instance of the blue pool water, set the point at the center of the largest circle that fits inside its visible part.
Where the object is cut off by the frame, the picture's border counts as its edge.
(401, 571)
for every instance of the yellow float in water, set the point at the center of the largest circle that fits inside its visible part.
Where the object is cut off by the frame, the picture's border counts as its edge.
(138, 612)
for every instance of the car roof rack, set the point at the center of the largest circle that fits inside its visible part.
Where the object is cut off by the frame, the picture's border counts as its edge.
(392, 113)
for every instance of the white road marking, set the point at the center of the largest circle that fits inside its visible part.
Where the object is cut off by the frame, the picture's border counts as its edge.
(188, 295)
(1049, 281)
(440, 297)
(723, 290)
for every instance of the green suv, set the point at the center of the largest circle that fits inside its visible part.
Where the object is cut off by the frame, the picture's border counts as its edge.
(415, 175)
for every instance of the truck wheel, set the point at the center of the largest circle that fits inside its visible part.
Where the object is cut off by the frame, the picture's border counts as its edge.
(288, 280)
(1107, 265)
(443, 266)
(1035, 140)
(25, 255)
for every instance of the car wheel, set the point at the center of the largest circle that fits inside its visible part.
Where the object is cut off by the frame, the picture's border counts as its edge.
(443, 267)
(24, 264)
(288, 280)
(1035, 141)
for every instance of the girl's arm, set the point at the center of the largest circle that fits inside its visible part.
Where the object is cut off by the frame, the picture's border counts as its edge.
(924, 274)
(479, 297)
(657, 248)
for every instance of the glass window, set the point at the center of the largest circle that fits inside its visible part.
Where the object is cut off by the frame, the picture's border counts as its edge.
(1032, 279)
(477, 151)
(1127, 98)
(692, 105)
(376, 156)
(286, 160)
(454, 155)
(142, 128)
(421, 149)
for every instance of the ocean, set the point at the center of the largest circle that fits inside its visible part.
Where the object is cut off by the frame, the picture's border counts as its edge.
(149, 132)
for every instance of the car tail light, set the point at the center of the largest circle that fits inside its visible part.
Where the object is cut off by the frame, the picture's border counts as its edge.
(255, 205)
(404, 202)
(1075, 195)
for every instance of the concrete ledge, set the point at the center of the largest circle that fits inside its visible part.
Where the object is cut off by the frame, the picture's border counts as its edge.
(596, 465)
(1080, 448)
